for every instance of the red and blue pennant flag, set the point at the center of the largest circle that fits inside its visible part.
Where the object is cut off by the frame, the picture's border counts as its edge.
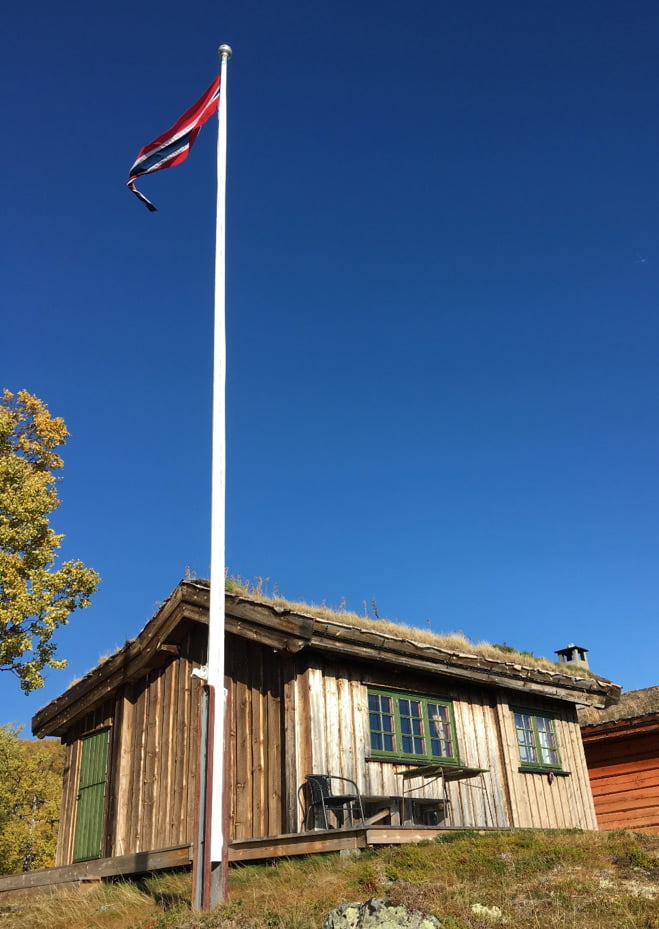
(173, 146)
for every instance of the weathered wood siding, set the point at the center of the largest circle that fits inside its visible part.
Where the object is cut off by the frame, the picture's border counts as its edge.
(624, 776)
(154, 749)
(292, 715)
(332, 735)
(258, 738)
(537, 802)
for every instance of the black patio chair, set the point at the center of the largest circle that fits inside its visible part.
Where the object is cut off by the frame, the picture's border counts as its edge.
(318, 792)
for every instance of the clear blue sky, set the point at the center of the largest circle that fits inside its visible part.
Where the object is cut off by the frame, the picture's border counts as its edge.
(443, 279)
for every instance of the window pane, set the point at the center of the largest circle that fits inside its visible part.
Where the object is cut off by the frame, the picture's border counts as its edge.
(411, 726)
(381, 722)
(527, 753)
(441, 745)
(441, 749)
(525, 738)
(549, 756)
(547, 739)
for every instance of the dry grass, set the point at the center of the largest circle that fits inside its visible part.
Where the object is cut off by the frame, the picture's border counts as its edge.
(88, 906)
(534, 880)
(453, 642)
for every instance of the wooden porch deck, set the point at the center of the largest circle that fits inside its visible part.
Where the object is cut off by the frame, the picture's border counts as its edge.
(263, 849)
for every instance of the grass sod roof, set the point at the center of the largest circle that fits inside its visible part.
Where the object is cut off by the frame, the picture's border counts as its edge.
(634, 704)
(293, 626)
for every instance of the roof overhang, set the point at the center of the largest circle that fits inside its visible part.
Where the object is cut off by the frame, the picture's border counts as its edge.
(249, 618)
(290, 631)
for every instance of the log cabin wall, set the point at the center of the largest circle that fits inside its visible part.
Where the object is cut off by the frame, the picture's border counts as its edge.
(624, 777)
(539, 801)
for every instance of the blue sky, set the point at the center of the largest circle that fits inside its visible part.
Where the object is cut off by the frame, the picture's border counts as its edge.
(442, 281)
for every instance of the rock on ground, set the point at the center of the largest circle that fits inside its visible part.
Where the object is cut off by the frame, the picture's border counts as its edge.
(377, 914)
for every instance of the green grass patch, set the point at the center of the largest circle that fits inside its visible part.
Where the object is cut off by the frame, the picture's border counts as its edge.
(535, 879)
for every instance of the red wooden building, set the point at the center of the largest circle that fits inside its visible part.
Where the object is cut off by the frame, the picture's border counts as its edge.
(622, 753)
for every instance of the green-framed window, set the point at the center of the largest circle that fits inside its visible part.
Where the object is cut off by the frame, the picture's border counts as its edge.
(411, 726)
(536, 739)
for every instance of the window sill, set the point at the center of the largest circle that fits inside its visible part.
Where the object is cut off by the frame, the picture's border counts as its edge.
(539, 770)
(413, 761)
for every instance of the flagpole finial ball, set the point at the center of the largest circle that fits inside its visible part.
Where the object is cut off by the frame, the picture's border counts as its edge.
(224, 51)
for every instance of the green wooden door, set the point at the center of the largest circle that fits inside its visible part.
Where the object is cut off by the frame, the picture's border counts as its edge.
(91, 796)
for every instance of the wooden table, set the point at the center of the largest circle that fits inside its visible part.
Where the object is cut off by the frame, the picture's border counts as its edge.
(444, 774)
(399, 809)
(379, 806)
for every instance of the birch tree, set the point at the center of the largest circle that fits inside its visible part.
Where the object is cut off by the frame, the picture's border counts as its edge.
(37, 594)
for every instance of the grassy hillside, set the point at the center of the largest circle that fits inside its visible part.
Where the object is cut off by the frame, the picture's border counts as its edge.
(521, 880)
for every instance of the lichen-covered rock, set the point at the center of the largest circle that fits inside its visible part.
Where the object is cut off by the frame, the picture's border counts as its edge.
(377, 914)
(486, 912)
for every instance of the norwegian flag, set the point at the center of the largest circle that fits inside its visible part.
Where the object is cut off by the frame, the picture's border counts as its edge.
(173, 146)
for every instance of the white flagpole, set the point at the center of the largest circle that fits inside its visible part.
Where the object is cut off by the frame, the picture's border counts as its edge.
(218, 470)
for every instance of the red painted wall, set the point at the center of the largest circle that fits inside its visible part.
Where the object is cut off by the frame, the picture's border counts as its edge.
(624, 777)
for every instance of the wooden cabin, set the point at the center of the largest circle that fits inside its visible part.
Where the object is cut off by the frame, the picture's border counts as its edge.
(622, 752)
(434, 738)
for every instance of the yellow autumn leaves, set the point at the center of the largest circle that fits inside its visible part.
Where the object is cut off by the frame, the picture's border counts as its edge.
(36, 596)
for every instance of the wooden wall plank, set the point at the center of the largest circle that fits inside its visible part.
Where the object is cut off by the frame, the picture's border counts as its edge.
(331, 725)
(304, 738)
(64, 852)
(582, 787)
(241, 763)
(319, 740)
(256, 774)
(150, 761)
(195, 656)
(275, 758)
(346, 711)
(116, 804)
(292, 733)
(134, 836)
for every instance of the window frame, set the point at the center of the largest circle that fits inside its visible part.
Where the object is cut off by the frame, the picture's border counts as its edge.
(397, 754)
(534, 715)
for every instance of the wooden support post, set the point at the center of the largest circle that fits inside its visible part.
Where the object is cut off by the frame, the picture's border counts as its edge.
(199, 853)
